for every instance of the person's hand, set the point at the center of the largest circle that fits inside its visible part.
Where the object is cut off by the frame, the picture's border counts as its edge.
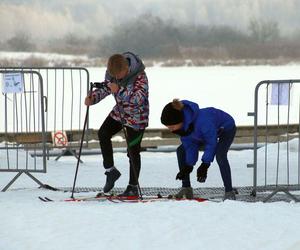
(89, 100)
(182, 174)
(202, 172)
(114, 88)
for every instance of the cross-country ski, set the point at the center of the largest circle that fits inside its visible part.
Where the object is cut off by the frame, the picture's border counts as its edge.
(129, 199)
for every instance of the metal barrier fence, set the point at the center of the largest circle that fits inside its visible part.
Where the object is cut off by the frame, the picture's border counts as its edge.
(22, 114)
(276, 166)
(65, 89)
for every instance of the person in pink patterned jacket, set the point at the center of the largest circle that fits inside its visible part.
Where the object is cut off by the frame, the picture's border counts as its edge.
(127, 81)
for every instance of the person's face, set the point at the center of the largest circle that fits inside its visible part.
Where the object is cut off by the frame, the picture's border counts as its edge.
(175, 126)
(122, 74)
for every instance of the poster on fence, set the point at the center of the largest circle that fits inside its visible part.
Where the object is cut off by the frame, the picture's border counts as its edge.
(12, 83)
(280, 94)
(59, 139)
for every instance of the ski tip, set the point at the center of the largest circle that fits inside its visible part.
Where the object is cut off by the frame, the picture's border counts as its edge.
(45, 199)
(42, 199)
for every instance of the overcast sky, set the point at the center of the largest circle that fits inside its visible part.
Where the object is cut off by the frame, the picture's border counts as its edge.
(53, 19)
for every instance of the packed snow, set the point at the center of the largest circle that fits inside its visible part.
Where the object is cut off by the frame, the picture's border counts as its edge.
(28, 223)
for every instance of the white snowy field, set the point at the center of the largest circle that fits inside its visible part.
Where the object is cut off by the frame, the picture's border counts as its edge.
(53, 58)
(27, 223)
(230, 88)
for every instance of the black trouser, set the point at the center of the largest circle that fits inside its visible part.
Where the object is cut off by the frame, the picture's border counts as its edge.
(134, 137)
(225, 140)
(181, 163)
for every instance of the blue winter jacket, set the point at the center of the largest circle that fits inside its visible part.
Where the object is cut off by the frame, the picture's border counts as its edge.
(206, 122)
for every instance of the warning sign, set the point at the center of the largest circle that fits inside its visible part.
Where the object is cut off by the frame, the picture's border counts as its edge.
(59, 139)
(12, 83)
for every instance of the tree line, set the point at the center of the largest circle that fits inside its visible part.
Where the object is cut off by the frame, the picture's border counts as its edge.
(155, 39)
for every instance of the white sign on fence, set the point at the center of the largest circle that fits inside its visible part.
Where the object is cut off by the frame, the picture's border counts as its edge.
(280, 94)
(12, 83)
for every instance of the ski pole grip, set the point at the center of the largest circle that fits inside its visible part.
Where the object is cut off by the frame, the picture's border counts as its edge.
(98, 85)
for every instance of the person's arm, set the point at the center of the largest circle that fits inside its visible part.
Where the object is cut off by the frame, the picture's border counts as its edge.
(210, 139)
(191, 152)
(98, 94)
(138, 93)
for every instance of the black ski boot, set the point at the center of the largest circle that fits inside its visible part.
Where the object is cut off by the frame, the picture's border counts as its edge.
(229, 195)
(131, 190)
(111, 178)
(185, 192)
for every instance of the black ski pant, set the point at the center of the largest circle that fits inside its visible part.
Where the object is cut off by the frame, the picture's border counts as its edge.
(224, 142)
(181, 163)
(108, 129)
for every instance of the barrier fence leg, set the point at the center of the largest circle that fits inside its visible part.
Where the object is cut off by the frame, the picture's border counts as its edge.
(11, 182)
(17, 176)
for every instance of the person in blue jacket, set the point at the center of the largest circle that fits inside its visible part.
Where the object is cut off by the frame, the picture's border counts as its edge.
(197, 127)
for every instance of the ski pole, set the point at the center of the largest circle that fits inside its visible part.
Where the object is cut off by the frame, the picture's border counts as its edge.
(81, 142)
(128, 147)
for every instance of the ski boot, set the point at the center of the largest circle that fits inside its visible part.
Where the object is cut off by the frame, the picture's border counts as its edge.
(111, 177)
(131, 190)
(185, 192)
(229, 195)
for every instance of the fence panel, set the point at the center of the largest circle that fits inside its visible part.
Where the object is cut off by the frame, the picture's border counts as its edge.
(22, 125)
(277, 103)
(65, 89)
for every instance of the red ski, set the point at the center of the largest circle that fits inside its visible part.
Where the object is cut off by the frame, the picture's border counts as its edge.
(129, 199)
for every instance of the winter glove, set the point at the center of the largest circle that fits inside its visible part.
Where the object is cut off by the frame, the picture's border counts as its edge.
(202, 172)
(184, 172)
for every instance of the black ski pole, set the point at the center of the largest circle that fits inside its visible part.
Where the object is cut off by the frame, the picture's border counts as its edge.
(128, 148)
(81, 143)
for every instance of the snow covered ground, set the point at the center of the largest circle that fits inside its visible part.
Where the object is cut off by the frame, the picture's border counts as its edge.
(208, 86)
(27, 223)
(51, 59)
(230, 88)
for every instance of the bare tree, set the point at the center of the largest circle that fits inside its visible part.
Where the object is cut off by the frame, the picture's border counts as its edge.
(20, 42)
(264, 31)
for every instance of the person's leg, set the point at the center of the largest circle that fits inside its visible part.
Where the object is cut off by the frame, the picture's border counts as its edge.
(186, 191)
(109, 128)
(134, 139)
(225, 140)
(181, 163)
